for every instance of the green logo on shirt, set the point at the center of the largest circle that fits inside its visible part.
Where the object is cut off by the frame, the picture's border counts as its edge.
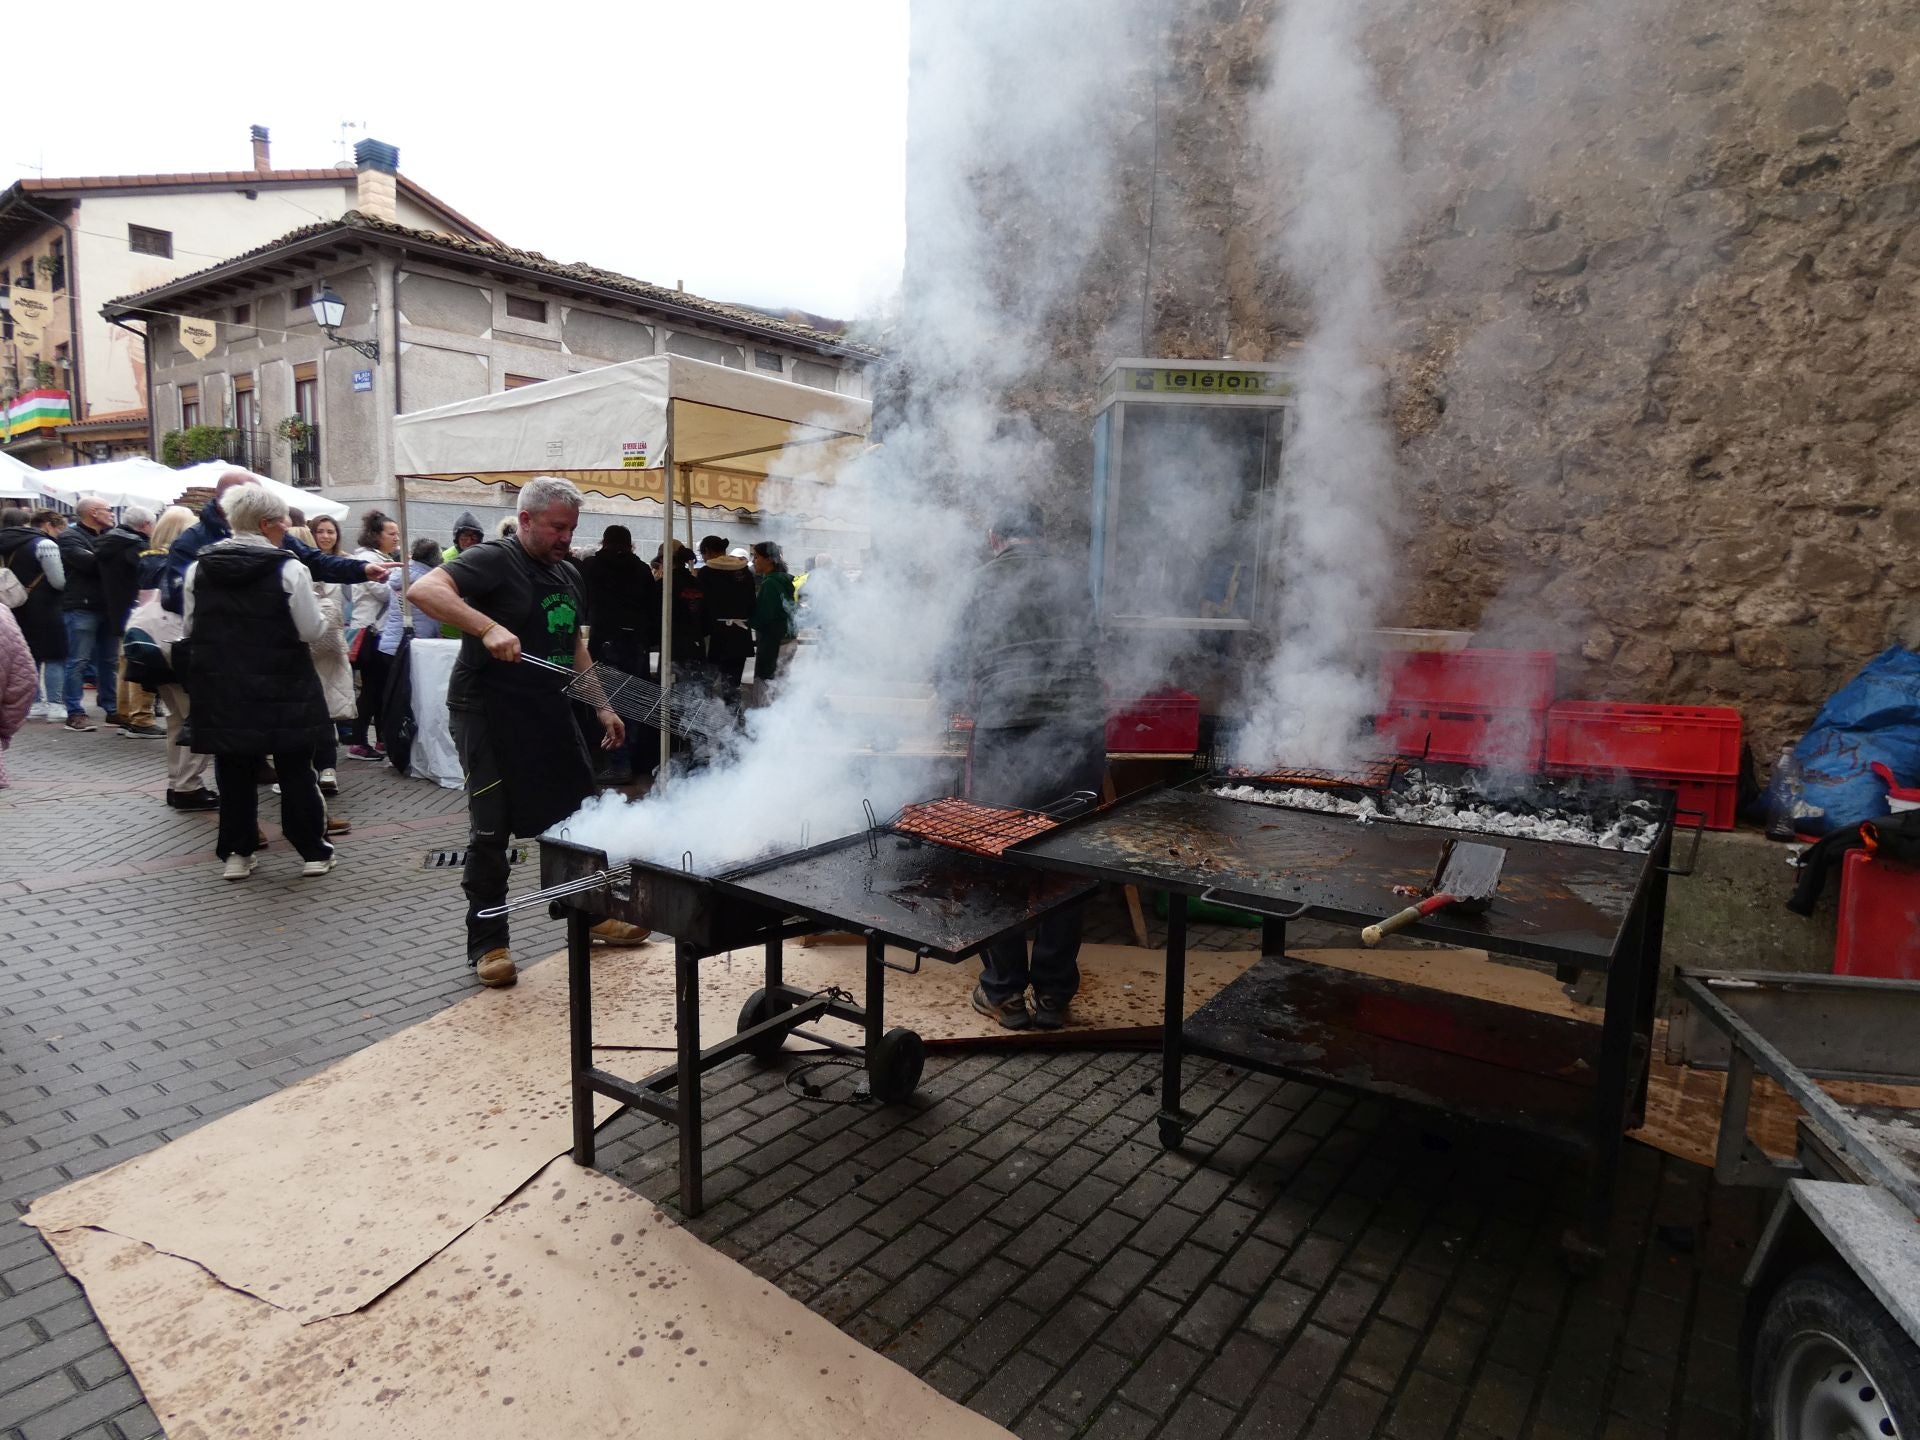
(562, 616)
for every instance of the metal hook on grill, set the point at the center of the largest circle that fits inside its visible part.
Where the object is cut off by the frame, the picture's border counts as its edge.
(873, 829)
(686, 862)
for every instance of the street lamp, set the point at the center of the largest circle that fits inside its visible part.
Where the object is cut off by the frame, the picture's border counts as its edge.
(328, 311)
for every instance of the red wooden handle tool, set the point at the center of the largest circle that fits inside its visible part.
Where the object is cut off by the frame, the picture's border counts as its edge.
(1378, 931)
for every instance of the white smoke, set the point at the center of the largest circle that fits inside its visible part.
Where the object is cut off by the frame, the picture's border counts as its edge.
(1011, 104)
(1334, 149)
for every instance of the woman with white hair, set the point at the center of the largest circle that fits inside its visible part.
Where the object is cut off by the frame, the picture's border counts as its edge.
(250, 616)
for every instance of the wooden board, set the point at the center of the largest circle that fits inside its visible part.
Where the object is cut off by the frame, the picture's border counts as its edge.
(1683, 1104)
(1120, 999)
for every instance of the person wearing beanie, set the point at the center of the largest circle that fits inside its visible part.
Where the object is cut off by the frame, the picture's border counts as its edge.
(467, 533)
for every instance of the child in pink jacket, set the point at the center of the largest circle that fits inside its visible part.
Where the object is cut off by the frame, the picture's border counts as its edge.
(18, 684)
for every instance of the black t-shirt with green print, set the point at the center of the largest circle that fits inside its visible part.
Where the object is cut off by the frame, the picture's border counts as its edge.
(544, 604)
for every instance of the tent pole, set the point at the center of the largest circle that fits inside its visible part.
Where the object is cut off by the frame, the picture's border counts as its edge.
(406, 548)
(666, 602)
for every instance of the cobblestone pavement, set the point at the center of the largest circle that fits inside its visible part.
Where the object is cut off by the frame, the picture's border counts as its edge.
(1311, 1266)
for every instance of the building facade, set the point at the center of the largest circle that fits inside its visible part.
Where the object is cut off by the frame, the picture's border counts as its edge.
(72, 381)
(453, 318)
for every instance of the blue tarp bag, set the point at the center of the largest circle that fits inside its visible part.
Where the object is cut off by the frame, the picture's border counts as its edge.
(1874, 716)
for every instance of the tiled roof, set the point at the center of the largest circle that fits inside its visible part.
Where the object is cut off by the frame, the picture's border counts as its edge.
(112, 420)
(187, 179)
(737, 316)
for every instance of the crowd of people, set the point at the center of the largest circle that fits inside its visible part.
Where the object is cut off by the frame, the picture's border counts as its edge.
(82, 586)
(271, 651)
(245, 629)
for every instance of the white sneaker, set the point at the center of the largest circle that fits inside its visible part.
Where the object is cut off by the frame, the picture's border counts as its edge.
(329, 781)
(239, 867)
(316, 867)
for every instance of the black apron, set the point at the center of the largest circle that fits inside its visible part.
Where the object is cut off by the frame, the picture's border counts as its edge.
(541, 754)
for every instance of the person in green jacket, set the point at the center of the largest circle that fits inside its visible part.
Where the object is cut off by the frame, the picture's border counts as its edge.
(466, 534)
(772, 609)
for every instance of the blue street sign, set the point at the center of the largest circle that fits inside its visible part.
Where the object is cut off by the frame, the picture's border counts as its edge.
(362, 380)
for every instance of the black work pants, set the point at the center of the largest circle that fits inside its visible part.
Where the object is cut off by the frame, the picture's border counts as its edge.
(1026, 768)
(484, 875)
(303, 813)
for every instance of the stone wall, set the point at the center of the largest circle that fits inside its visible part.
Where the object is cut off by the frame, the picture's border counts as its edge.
(1660, 322)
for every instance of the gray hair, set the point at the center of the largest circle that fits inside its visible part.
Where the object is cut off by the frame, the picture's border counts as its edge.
(248, 507)
(134, 516)
(545, 491)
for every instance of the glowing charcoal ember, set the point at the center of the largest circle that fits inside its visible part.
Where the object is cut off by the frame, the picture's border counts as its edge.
(962, 825)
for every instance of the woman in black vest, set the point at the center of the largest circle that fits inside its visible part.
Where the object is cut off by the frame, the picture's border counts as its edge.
(250, 614)
(730, 592)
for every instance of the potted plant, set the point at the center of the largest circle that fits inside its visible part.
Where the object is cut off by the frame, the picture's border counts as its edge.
(296, 431)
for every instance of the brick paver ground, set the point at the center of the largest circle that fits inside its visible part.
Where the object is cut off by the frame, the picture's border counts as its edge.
(1311, 1266)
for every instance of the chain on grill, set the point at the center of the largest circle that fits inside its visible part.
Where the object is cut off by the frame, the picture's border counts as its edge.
(962, 825)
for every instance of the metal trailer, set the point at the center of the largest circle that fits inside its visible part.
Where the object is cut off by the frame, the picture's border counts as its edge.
(1831, 1343)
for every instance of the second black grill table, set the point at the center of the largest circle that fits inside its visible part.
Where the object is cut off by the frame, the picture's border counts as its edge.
(1576, 906)
(937, 903)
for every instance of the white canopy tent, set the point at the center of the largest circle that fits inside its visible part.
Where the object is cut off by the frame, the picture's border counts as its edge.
(664, 428)
(17, 477)
(134, 481)
(310, 503)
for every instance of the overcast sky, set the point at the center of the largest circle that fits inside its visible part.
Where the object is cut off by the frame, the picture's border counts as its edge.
(752, 149)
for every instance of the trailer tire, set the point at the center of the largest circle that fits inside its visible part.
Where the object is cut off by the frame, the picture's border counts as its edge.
(1828, 1359)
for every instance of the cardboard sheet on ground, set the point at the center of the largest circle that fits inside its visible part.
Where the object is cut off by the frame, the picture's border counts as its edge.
(576, 1308)
(1119, 1002)
(362, 1173)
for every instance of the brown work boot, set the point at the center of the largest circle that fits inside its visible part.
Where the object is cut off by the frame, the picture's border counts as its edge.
(339, 825)
(618, 932)
(495, 968)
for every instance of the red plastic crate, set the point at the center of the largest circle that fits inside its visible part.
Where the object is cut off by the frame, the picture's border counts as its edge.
(1466, 735)
(1166, 722)
(1717, 799)
(1879, 930)
(1468, 679)
(1663, 739)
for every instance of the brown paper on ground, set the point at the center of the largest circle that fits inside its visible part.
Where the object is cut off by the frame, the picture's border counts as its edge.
(1120, 999)
(318, 1198)
(576, 1308)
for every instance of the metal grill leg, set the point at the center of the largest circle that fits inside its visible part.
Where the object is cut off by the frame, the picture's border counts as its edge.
(1622, 1053)
(580, 1029)
(1172, 1122)
(686, 1090)
(1273, 937)
(776, 968)
(876, 991)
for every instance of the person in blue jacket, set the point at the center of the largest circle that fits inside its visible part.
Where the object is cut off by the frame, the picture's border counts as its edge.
(334, 569)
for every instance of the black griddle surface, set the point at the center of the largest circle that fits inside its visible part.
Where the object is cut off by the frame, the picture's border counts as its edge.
(1556, 902)
(912, 894)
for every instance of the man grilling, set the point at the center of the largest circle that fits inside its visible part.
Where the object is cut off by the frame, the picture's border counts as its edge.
(521, 750)
(1025, 660)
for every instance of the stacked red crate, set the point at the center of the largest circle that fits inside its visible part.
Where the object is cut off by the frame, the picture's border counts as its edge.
(1167, 722)
(1475, 707)
(1693, 750)
(1879, 930)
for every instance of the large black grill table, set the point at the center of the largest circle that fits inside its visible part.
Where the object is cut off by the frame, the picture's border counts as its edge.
(934, 902)
(1578, 907)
